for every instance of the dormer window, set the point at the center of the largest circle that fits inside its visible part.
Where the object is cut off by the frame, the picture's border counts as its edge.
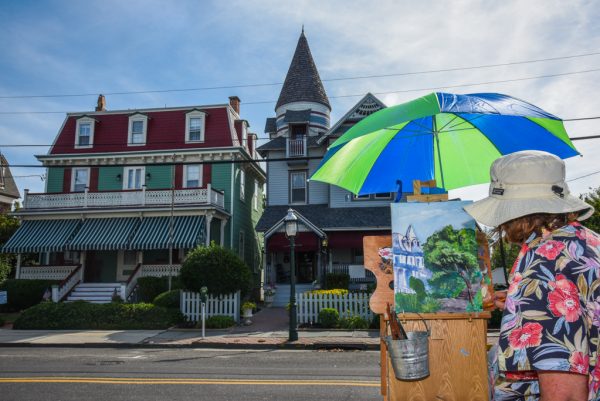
(138, 127)
(84, 132)
(194, 126)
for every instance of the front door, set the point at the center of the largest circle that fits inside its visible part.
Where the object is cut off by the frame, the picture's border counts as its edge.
(101, 267)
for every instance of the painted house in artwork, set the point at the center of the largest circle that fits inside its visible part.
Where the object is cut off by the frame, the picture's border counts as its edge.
(332, 221)
(129, 192)
(408, 261)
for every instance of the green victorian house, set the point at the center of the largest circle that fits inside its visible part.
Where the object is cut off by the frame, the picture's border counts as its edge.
(128, 193)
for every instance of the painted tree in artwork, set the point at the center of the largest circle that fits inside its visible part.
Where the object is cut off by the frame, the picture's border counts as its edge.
(452, 257)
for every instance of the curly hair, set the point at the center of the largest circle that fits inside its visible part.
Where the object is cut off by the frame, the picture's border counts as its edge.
(518, 230)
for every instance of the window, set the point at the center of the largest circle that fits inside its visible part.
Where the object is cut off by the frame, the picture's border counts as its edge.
(84, 132)
(361, 197)
(383, 195)
(241, 244)
(256, 195)
(134, 178)
(298, 187)
(194, 126)
(242, 185)
(138, 124)
(193, 176)
(80, 179)
(71, 257)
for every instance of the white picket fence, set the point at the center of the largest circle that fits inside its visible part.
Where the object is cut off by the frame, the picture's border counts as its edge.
(352, 304)
(225, 305)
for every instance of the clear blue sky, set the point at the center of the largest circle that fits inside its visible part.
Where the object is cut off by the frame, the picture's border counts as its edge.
(72, 47)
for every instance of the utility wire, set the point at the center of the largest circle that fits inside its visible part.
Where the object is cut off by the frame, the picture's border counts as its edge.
(376, 93)
(324, 80)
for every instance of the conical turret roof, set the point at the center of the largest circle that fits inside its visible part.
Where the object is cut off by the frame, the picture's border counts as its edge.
(302, 82)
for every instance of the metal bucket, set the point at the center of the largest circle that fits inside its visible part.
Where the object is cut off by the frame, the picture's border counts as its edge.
(410, 357)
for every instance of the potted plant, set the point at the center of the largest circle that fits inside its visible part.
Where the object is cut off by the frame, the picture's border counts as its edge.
(269, 292)
(247, 308)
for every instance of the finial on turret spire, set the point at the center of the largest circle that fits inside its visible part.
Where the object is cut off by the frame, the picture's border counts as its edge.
(302, 29)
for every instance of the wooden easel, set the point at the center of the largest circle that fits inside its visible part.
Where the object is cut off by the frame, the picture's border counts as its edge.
(458, 341)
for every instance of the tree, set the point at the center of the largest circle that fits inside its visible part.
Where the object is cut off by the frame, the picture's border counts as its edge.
(217, 268)
(452, 256)
(8, 226)
(593, 198)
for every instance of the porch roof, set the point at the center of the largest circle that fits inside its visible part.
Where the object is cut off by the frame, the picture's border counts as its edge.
(42, 236)
(153, 233)
(108, 234)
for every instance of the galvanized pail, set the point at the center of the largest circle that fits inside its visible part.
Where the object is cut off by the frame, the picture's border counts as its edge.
(410, 357)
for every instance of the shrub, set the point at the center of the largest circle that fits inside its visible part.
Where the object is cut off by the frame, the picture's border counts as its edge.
(81, 315)
(337, 280)
(219, 322)
(23, 294)
(217, 268)
(329, 317)
(354, 323)
(1, 321)
(336, 291)
(168, 299)
(418, 287)
(5, 268)
(150, 287)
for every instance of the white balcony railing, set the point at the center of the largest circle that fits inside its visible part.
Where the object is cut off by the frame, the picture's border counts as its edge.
(296, 147)
(160, 270)
(114, 199)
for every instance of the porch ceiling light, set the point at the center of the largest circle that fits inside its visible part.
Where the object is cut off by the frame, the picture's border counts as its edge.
(291, 224)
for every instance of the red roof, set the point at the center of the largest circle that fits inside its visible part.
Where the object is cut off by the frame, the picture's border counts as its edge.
(166, 130)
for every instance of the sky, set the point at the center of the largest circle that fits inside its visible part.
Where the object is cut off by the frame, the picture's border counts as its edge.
(80, 47)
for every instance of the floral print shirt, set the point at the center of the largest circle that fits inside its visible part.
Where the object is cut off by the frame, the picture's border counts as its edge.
(551, 318)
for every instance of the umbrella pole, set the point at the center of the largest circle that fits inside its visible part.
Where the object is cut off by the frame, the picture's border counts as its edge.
(439, 152)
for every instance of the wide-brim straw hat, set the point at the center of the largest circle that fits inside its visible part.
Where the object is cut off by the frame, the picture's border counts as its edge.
(524, 183)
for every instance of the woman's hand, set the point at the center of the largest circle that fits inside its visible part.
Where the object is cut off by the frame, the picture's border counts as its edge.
(500, 299)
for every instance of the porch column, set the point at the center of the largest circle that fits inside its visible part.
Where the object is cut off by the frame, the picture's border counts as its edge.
(209, 217)
(223, 222)
(82, 261)
(18, 268)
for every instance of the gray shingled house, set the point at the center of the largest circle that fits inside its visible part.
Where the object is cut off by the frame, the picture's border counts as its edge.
(332, 220)
(8, 189)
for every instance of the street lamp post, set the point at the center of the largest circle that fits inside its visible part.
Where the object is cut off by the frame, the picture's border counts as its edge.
(291, 229)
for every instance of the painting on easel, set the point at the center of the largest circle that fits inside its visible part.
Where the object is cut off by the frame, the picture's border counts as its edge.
(436, 259)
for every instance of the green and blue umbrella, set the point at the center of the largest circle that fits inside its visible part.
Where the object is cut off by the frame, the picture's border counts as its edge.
(450, 138)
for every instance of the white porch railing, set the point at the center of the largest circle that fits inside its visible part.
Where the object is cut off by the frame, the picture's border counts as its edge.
(160, 270)
(59, 292)
(46, 272)
(296, 147)
(226, 305)
(111, 199)
(352, 304)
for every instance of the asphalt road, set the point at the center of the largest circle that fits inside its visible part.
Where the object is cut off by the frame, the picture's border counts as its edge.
(187, 374)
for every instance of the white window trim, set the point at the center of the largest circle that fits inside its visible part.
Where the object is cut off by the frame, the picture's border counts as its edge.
(188, 117)
(242, 185)
(126, 177)
(137, 117)
(185, 176)
(85, 120)
(73, 177)
(255, 197)
(291, 189)
(245, 134)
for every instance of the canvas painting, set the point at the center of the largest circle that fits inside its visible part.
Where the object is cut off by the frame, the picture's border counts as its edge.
(436, 259)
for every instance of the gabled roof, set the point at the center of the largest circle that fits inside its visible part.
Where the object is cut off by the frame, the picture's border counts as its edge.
(327, 218)
(302, 82)
(7, 182)
(271, 125)
(366, 106)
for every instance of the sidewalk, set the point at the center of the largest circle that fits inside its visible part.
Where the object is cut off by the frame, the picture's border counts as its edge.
(269, 330)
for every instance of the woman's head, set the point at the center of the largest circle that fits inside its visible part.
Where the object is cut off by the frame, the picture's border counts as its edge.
(525, 184)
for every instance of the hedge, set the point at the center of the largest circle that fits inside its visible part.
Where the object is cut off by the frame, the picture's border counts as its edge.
(150, 287)
(337, 280)
(168, 299)
(23, 294)
(82, 315)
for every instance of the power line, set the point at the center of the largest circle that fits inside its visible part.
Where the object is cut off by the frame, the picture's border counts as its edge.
(464, 68)
(377, 93)
(583, 176)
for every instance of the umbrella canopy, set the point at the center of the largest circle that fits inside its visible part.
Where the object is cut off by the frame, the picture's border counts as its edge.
(450, 138)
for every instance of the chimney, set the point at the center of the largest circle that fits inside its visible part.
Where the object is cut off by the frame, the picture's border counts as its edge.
(101, 106)
(234, 102)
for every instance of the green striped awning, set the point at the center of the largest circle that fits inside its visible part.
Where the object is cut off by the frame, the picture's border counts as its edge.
(153, 233)
(42, 236)
(105, 234)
